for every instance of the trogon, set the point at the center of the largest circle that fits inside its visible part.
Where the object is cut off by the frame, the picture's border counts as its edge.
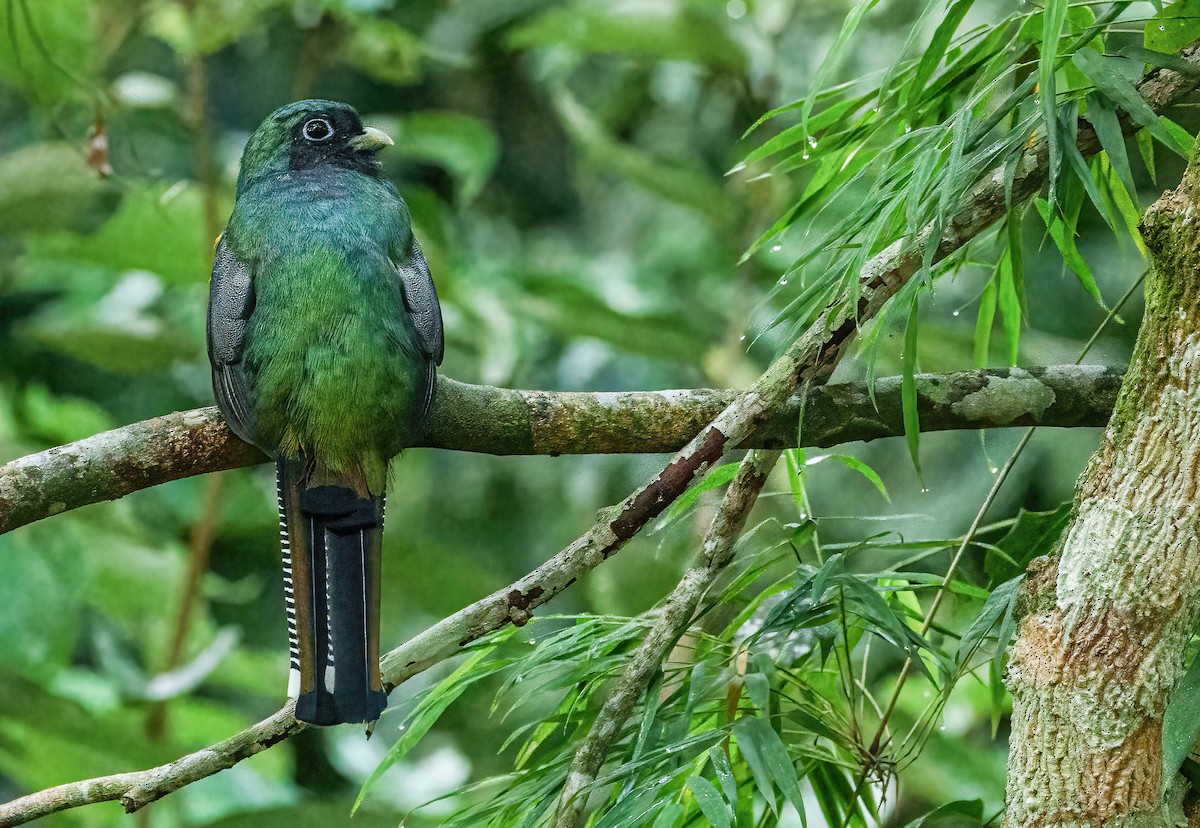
(324, 333)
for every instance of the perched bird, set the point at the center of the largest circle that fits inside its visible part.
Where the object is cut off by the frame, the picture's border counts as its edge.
(324, 331)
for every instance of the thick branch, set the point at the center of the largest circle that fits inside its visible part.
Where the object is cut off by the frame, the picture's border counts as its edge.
(502, 421)
(715, 554)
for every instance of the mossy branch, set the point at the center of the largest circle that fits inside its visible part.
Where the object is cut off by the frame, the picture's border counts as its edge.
(503, 421)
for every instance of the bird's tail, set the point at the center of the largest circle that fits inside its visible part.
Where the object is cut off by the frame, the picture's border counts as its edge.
(332, 542)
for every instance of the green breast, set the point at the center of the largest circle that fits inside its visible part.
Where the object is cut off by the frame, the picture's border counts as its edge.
(330, 356)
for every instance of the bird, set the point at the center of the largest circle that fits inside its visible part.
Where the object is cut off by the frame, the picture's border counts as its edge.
(324, 336)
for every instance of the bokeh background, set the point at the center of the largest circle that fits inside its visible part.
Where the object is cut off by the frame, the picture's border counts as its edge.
(568, 167)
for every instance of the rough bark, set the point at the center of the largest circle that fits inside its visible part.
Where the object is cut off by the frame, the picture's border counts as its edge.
(1101, 644)
(509, 422)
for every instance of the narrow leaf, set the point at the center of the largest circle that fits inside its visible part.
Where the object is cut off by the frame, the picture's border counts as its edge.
(1010, 307)
(983, 323)
(854, 464)
(1064, 239)
(1054, 16)
(966, 810)
(908, 391)
(1103, 72)
(710, 802)
(994, 609)
(1104, 120)
(749, 743)
(716, 477)
(724, 771)
(835, 55)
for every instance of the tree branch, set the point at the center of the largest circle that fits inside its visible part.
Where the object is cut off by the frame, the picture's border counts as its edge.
(502, 421)
(137, 789)
(670, 623)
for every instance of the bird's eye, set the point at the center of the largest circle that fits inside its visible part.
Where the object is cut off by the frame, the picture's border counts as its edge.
(318, 130)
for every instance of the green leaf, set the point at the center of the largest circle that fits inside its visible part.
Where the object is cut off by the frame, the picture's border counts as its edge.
(834, 57)
(678, 32)
(157, 228)
(428, 711)
(908, 390)
(1181, 135)
(668, 816)
(1064, 238)
(48, 48)
(45, 566)
(965, 810)
(797, 135)
(1162, 60)
(1125, 205)
(716, 477)
(464, 146)
(48, 186)
(1010, 306)
(1103, 72)
(749, 744)
(854, 464)
(1181, 723)
(1031, 535)
(936, 50)
(1068, 127)
(983, 323)
(1145, 142)
(1054, 16)
(1108, 129)
(1016, 253)
(995, 608)
(1173, 27)
(710, 802)
(61, 419)
(721, 766)
(773, 757)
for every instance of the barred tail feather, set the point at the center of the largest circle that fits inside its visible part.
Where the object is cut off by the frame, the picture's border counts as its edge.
(332, 554)
(289, 592)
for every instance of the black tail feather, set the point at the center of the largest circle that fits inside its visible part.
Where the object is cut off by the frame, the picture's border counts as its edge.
(335, 577)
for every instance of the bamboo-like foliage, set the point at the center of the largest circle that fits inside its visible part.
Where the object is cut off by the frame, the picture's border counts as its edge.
(765, 705)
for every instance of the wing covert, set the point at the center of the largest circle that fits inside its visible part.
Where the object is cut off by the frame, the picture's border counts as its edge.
(230, 303)
(421, 302)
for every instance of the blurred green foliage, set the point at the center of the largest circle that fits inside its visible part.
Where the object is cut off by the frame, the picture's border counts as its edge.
(580, 180)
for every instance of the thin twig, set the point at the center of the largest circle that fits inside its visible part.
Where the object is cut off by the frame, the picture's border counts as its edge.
(671, 621)
(139, 788)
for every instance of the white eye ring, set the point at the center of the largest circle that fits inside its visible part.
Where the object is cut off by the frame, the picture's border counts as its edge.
(317, 130)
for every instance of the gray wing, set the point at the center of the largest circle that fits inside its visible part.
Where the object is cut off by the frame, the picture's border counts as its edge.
(230, 303)
(421, 302)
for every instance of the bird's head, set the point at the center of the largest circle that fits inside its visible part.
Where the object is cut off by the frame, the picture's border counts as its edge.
(309, 134)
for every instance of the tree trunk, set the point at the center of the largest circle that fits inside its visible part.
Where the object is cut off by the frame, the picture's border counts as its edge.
(1105, 623)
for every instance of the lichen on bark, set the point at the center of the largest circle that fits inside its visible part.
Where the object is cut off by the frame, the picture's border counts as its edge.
(1101, 644)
